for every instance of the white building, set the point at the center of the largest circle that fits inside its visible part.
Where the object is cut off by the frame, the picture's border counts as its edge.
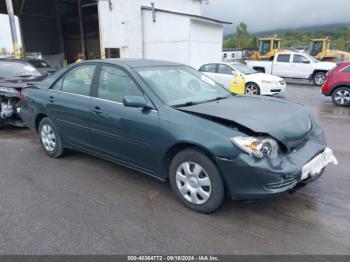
(160, 29)
(152, 29)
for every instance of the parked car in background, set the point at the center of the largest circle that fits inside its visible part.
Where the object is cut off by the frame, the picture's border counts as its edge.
(40, 65)
(14, 76)
(337, 84)
(174, 123)
(294, 65)
(256, 83)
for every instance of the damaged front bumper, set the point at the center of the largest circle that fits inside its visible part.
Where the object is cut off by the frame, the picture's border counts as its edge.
(248, 178)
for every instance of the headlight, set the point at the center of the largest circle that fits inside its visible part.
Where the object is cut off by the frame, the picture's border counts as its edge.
(257, 146)
(8, 90)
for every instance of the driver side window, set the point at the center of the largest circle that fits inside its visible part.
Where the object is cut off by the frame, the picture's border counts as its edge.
(224, 69)
(114, 84)
(300, 59)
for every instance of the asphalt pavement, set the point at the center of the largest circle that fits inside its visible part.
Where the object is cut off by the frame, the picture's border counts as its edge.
(80, 204)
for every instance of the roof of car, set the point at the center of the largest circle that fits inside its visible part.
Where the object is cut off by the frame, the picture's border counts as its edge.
(136, 62)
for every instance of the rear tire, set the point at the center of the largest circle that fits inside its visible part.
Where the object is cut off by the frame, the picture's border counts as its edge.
(319, 78)
(50, 139)
(341, 96)
(196, 181)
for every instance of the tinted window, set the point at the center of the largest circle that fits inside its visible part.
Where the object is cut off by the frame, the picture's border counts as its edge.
(299, 59)
(114, 84)
(210, 68)
(283, 58)
(225, 69)
(346, 69)
(11, 69)
(78, 80)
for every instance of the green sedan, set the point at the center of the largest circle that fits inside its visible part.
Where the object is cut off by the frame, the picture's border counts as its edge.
(171, 122)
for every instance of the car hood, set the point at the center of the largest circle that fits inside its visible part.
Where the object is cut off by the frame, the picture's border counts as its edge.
(262, 76)
(287, 122)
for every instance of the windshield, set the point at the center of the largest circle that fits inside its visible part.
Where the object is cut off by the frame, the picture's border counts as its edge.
(13, 69)
(181, 85)
(243, 69)
(39, 63)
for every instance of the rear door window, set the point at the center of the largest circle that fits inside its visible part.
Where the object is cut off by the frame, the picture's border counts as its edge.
(283, 58)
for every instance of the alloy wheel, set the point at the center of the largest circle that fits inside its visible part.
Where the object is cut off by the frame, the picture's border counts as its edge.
(342, 97)
(48, 138)
(251, 89)
(320, 79)
(193, 183)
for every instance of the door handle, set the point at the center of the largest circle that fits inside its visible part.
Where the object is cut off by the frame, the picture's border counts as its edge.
(97, 110)
(51, 99)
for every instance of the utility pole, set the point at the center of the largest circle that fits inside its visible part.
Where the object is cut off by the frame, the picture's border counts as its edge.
(82, 33)
(11, 15)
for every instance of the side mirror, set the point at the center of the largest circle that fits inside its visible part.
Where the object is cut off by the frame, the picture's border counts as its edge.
(234, 73)
(136, 101)
(306, 62)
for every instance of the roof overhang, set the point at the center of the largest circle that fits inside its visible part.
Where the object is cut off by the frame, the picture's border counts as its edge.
(197, 17)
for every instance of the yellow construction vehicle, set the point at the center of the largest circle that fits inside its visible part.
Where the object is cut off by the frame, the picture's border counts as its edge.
(319, 48)
(268, 47)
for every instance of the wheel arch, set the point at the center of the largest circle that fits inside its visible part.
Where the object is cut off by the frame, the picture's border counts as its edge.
(318, 71)
(338, 86)
(176, 148)
(173, 150)
(38, 119)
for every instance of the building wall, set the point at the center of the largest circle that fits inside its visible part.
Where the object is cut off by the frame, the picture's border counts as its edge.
(205, 42)
(121, 27)
(167, 39)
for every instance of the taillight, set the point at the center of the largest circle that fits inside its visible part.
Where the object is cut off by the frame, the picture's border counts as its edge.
(21, 95)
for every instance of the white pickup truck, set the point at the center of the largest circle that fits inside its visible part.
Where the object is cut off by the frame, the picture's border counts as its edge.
(294, 65)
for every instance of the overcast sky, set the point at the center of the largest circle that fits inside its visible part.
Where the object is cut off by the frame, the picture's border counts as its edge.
(265, 15)
(5, 33)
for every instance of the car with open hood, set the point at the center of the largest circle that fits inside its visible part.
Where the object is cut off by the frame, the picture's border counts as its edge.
(176, 124)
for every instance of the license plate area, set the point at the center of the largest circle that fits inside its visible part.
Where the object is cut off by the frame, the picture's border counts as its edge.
(316, 165)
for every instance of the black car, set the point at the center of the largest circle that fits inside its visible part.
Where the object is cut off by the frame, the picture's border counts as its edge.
(14, 76)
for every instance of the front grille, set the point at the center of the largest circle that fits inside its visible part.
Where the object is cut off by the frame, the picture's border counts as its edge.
(283, 183)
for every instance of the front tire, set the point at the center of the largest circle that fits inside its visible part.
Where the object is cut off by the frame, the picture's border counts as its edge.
(196, 181)
(252, 89)
(341, 96)
(319, 78)
(50, 139)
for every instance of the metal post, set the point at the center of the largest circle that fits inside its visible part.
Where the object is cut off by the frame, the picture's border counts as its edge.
(82, 35)
(16, 51)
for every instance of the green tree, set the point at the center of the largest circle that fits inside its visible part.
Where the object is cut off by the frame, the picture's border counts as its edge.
(243, 38)
(4, 51)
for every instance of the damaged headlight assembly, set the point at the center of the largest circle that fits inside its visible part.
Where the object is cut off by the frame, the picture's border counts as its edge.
(258, 147)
